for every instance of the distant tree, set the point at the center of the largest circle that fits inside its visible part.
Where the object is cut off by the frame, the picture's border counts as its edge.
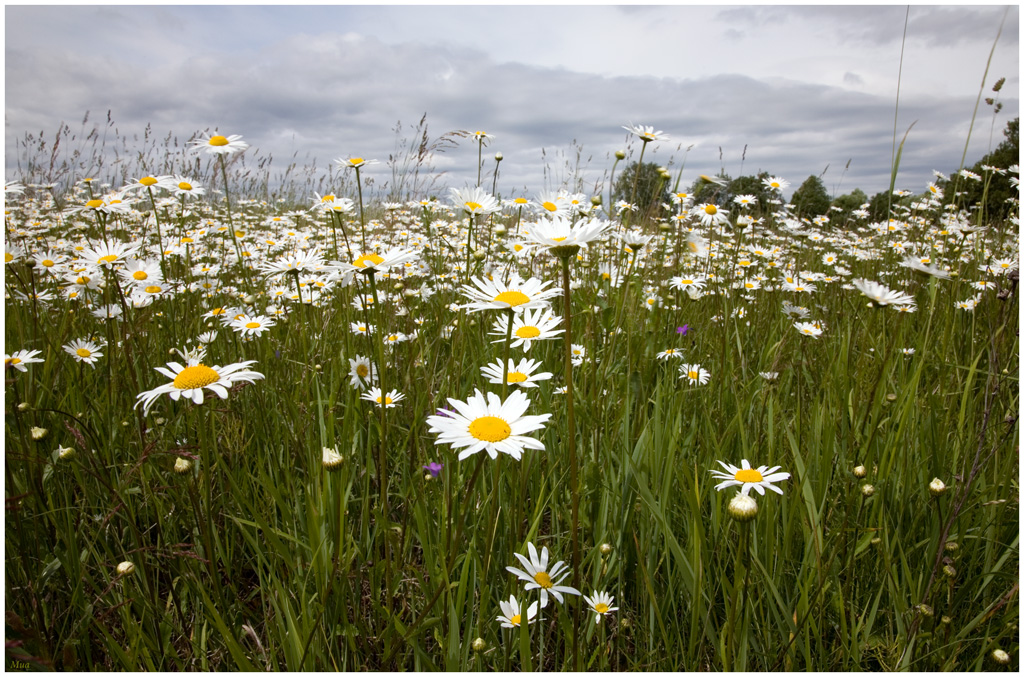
(811, 198)
(879, 207)
(850, 201)
(754, 185)
(651, 190)
(999, 190)
(710, 191)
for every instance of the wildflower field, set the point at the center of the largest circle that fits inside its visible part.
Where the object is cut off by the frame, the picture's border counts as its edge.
(685, 428)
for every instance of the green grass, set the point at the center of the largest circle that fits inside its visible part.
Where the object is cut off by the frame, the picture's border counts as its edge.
(258, 558)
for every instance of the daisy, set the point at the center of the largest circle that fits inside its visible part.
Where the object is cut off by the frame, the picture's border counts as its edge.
(749, 478)
(517, 294)
(881, 294)
(254, 325)
(671, 352)
(694, 374)
(488, 424)
(106, 255)
(371, 261)
(361, 371)
(776, 183)
(560, 232)
(529, 326)
(183, 186)
(600, 604)
(710, 215)
(220, 145)
(808, 329)
(682, 282)
(84, 351)
(355, 162)
(374, 395)
(21, 358)
(646, 133)
(512, 613)
(141, 272)
(537, 575)
(190, 380)
(475, 201)
(579, 353)
(518, 374)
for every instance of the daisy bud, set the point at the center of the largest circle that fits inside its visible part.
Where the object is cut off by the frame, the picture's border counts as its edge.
(500, 230)
(891, 397)
(479, 644)
(498, 157)
(936, 487)
(64, 453)
(945, 620)
(742, 508)
(332, 459)
(664, 227)
(39, 433)
(1000, 656)
(23, 406)
(479, 255)
(926, 610)
(398, 286)
(952, 546)
(159, 420)
(949, 571)
(606, 549)
(596, 200)
(620, 155)
(868, 490)
(249, 300)
(860, 472)
(182, 465)
(876, 541)
(125, 568)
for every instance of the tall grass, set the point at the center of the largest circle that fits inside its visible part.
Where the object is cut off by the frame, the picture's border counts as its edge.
(258, 558)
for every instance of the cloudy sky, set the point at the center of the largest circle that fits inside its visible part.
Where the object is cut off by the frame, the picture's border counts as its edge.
(801, 88)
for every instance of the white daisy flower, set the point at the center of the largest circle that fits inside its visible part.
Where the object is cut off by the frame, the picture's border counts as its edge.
(374, 395)
(529, 326)
(190, 380)
(220, 145)
(518, 374)
(488, 424)
(694, 374)
(748, 478)
(84, 351)
(517, 294)
(538, 577)
(512, 613)
(600, 604)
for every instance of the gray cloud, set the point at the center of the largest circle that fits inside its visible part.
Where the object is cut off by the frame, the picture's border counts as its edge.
(328, 94)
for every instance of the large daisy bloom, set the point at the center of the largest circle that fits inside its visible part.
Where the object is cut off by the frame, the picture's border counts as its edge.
(84, 351)
(106, 255)
(558, 231)
(475, 201)
(362, 372)
(488, 424)
(709, 214)
(374, 395)
(529, 326)
(518, 374)
(749, 478)
(220, 145)
(19, 359)
(812, 329)
(190, 380)
(374, 262)
(694, 374)
(512, 615)
(646, 132)
(517, 294)
(881, 294)
(537, 576)
(775, 183)
(251, 325)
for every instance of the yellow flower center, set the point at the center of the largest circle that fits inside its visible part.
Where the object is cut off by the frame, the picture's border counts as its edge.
(527, 332)
(601, 608)
(543, 580)
(8, 257)
(154, 289)
(362, 370)
(516, 620)
(147, 181)
(218, 140)
(327, 198)
(12, 360)
(520, 201)
(140, 275)
(749, 475)
(252, 325)
(83, 352)
(559, 239)
(694, 375)
(516, 377)
(48, 263)
(711, 210)
(109, 258)
(372, 258)
(473, 206)
(513, 298)
(95, 204)
(356, 161)
(196, 376)
(490, 429)
(387, 400)
(550, 206)
(185, 185)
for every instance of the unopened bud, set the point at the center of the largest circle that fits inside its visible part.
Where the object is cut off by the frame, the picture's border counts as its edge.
(742, 508)
(926, 610)
(64, 453)
(949, 571)
(596, 200)
(945, 620)
(500, 230)
(1000, 656)
(867, 490)
(936, 487)
(891, 397)
(249, 300)
(606, 549)
(498, 157)
(39, 433)
(126, 568)
(620, 155)
(332, 459)
(182, 465)
(479, 255)
(479, 644)
(23, 406)
(952, 546)
(860, 472)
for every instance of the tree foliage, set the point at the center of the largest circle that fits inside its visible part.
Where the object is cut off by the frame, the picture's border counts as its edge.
(811, 198)
(651, 189)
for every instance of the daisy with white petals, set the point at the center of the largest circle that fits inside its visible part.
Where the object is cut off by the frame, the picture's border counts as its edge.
(538, 577)
(518, 374)
(488, 424)
(512, 615)
(189, 381)
(748, 478)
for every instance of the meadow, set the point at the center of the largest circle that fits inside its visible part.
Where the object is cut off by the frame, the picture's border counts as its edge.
(316, 429)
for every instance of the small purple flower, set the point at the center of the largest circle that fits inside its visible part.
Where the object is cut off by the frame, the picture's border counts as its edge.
(683, 330)
(446, 412)
(434, 468)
